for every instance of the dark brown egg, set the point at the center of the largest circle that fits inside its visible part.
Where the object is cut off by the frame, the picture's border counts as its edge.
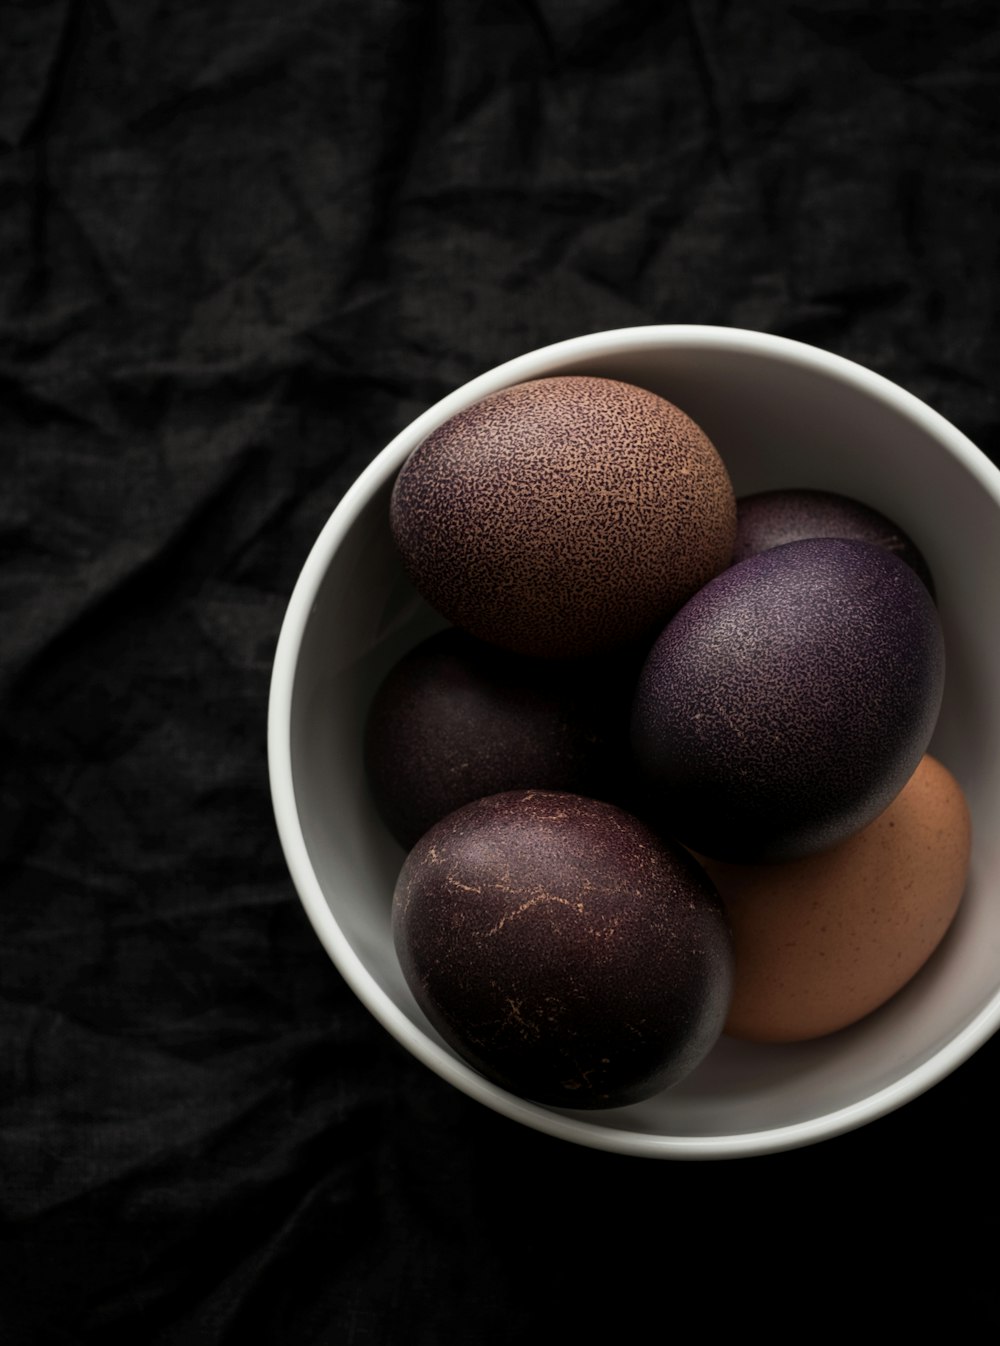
(563, 949)
(564, 515)
(772, 518)
(456, 719)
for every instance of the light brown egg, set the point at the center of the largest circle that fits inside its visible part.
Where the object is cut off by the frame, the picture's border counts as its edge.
(823, 941)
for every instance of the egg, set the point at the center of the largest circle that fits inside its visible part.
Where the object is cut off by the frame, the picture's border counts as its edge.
(789, 701)
(823, 941)
(771, 518)
(563, 516)
(562, 948)
(456, 719)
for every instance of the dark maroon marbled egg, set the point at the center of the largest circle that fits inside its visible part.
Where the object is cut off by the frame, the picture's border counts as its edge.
(788, 703)
(456, 719)
(564, 515)
(562, 949)
(772, 518)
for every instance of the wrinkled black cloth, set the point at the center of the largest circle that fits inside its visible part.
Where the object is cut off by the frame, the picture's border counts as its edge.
(242, 246)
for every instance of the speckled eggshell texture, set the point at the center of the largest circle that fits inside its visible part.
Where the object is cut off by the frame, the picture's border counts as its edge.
(563, 515)
(772, 518)
(562, 949)
(786, 705)
(824, 941)
(456, 719)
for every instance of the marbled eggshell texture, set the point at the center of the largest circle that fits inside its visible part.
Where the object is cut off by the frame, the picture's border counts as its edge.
(789, 701)
(563, 515)
(563, 949)
(824, 941)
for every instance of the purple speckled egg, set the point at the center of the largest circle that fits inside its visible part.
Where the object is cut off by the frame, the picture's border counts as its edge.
(563, 949)
(788, 703)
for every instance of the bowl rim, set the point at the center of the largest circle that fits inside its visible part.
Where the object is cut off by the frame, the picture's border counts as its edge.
(576, 1127)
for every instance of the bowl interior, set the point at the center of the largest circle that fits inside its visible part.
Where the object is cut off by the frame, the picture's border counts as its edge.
(780, 414)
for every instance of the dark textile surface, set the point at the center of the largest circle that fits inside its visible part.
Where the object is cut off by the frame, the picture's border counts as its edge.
(243, 245)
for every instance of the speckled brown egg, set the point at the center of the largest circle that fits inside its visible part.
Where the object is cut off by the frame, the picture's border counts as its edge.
(563, 949)
(564, 515)
(824, 941)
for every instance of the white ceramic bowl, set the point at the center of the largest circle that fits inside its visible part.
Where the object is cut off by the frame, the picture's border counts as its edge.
(781, 414)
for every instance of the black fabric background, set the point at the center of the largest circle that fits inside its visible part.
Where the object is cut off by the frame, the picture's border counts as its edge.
(243, 244)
